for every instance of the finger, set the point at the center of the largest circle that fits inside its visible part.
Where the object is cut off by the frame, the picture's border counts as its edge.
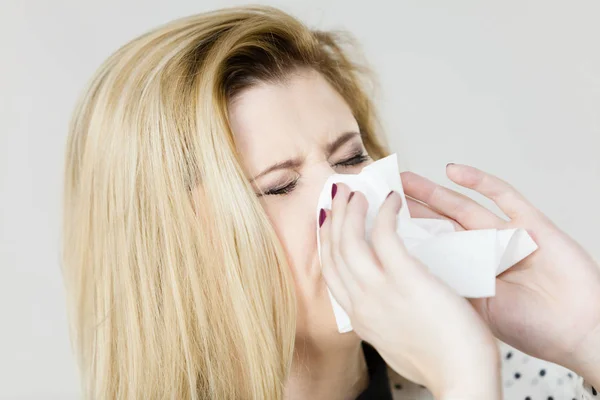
(328, 268)
(464, 210)
(387, 244)
(356, 252)
(420, 210)
(340, 194)
(510, 201)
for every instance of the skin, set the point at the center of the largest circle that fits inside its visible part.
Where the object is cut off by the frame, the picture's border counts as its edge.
(386, 292)
(547, 305)
(298, 120)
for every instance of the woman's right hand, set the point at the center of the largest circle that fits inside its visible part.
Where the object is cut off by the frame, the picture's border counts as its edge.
(421, 328)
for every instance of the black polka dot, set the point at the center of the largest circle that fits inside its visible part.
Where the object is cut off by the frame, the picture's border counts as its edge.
(508, 355)
(594, 392)
(398, 386)
(550, 398)
(570, 375)
(517, 375)
(542, 372)
(527, 398)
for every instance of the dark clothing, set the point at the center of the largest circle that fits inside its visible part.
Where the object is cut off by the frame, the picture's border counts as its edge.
(379, 384)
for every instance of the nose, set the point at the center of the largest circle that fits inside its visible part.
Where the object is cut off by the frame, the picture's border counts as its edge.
(315, 185)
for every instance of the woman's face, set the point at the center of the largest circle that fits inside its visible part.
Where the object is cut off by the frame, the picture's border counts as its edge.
(292, 136)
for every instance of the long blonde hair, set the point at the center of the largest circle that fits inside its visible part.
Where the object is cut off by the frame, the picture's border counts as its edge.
(177, 284)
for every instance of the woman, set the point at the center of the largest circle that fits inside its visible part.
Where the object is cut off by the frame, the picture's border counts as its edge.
(194, 162)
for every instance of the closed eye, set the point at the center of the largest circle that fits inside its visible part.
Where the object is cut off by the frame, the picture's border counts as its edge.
(355, 159)
(282, 190)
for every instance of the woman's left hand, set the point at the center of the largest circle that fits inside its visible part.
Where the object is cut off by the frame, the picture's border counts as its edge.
(547, 305)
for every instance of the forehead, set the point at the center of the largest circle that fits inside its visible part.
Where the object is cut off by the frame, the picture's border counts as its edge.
(287, 119)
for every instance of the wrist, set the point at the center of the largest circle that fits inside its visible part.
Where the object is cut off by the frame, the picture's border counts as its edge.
(481, 380)
(483, 389)
(586, 361)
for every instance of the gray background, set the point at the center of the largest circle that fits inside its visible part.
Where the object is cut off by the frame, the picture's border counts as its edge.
(512, 87)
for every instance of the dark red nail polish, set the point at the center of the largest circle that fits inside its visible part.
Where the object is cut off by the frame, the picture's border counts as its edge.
(350, 197)
(333, 191)
(322, 216)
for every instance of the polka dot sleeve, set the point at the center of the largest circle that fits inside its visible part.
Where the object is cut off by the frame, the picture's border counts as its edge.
(586, 391)
(529, 378)
(523, 378)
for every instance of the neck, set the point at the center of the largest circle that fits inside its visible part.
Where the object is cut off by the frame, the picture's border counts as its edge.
(327, 373)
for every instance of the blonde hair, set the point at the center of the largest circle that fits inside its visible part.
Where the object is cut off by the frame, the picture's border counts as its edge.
(177, 284)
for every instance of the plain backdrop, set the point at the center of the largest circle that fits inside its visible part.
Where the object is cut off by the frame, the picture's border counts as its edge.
(512, 87)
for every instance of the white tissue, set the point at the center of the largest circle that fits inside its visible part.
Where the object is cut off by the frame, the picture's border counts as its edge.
(468, 261)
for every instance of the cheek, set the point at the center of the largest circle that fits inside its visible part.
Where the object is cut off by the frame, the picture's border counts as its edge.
(295, 225)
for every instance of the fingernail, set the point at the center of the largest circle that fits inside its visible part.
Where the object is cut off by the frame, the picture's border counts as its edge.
(322, 216)
(350, 197)
(333, 191)
(450, 163)
(389, 194)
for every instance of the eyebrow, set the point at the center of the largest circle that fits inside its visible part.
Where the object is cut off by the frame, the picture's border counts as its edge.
(297, 162)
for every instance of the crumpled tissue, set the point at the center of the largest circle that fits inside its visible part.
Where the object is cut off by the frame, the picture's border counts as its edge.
(468, 261)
